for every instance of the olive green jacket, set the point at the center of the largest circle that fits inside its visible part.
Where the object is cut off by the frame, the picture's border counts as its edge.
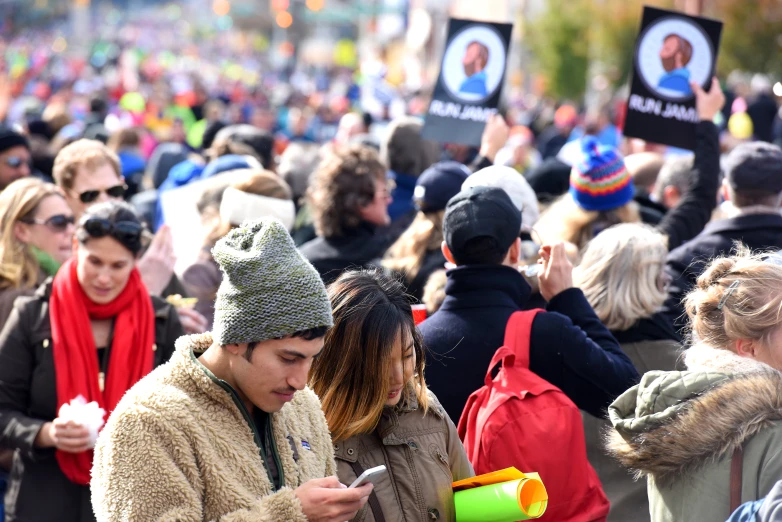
(680, 429)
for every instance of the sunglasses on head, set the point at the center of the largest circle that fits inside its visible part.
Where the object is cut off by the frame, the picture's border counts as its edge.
(58, 223)
(126, 232)
(15, 162)
(117, 191)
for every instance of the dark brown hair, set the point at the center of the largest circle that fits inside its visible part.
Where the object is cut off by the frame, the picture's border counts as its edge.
(351, 374)
(685, 47)
(344, 181)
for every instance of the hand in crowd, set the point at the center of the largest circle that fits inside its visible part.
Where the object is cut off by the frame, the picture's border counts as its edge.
(192, 321)
(708, 104)
(328, 500)
(495, 135)
(556, 274)
(64, 435)
(156, 266)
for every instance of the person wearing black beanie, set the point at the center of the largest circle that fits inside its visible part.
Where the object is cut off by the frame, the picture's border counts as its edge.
(14, 157)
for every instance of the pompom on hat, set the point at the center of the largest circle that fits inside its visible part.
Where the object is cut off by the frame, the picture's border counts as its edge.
(600, 181)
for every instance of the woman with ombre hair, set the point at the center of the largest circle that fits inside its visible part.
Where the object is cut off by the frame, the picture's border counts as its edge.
(370, 381)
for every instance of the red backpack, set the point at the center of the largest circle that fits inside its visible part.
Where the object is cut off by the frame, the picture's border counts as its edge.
(518, 419)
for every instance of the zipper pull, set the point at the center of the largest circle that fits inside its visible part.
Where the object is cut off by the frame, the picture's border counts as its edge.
(442, 457)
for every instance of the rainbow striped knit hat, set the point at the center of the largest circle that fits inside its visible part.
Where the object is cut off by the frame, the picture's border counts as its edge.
(600, 181)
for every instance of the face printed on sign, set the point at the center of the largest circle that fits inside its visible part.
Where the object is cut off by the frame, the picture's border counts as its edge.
(675, 53)
(474, 64)
(671, 53)
(476, 56)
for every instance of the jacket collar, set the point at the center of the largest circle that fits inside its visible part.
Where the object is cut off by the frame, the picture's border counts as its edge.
(388, 425)
(363, 231)
(478, 286)
(703, 358)
(742, 223)
(188, 349)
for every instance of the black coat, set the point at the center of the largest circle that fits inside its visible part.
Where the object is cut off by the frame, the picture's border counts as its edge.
(763, 111)
(360, 247)
(688, 218)
(686, 263)
(38, 491)
(569, 346)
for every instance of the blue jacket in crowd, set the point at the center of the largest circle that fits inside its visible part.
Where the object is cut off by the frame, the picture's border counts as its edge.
(402, 194)
(569, 347)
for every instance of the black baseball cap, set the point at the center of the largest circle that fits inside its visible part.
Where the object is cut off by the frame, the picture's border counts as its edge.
(480, 212)
(9, 138)
(438, 184)
(755, 166)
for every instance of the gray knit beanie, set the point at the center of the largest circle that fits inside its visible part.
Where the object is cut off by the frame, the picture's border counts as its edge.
(269, 289)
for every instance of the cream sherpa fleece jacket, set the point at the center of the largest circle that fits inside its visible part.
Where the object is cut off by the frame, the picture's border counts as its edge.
(177, 447)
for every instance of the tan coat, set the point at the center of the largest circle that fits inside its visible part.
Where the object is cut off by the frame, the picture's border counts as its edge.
(423, 455)
(680, 429)
(179, 448)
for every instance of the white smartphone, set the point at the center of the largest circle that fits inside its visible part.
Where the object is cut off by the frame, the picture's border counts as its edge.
(368, 476)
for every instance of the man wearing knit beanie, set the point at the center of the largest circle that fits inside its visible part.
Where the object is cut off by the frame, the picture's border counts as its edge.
(227, 428)
(15, 158)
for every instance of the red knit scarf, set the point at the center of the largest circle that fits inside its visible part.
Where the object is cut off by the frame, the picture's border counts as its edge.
(75, 354)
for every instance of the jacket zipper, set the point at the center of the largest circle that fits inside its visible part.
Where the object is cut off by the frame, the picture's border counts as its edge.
(440, 457)
(256, 436)
(275, 454)
(411, 464)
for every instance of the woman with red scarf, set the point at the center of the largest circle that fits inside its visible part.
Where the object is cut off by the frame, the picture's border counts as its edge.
(91, 331)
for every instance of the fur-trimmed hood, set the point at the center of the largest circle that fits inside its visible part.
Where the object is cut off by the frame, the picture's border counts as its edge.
(673, 423)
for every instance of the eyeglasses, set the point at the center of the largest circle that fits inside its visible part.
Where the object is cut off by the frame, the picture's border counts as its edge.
(117, 191)
(126, 232)
(58, 223)
(15, 162)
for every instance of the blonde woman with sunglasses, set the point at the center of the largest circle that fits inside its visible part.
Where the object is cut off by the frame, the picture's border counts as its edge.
(92, 331)
(37, 230)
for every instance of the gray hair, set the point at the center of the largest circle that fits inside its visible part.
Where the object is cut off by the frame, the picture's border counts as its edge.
(676, 172)
(620, 274)
(297, 164)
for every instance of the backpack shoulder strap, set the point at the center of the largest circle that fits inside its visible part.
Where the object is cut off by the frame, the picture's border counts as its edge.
(736, 465)
(374, 503)
(518, 333)
(515, 350)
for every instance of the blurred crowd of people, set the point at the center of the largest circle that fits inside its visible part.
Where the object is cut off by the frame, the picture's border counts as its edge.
(227, 256)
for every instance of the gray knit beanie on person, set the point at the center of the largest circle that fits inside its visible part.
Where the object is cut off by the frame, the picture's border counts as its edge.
(269, 289)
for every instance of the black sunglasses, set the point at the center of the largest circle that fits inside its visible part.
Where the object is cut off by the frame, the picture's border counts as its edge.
(15, 162)
(58, 223)
(117, 191)
(126, 232)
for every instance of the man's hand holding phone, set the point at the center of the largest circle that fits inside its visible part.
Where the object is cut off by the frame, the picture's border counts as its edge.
(328, 500)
